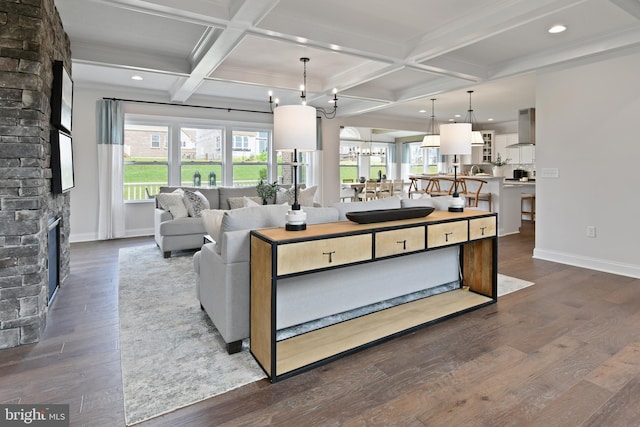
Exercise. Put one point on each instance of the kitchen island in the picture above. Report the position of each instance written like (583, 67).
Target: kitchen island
(505, 197)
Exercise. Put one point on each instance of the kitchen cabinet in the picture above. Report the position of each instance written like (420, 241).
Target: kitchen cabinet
(527, 154)
(501, 143)
(520, 155)
(484, 154)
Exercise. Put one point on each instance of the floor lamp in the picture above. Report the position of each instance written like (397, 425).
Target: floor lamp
(294, 129)
(455, 138)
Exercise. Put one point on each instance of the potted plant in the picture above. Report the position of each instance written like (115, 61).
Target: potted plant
(267, 191)
(498, 165)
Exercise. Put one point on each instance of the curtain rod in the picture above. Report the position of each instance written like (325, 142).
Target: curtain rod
(173, 104)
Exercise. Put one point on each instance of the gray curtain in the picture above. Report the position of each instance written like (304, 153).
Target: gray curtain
(110, 139)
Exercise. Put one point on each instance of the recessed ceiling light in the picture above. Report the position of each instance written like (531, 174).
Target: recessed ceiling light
(557, 29)
(422, 111)
(490, 119)
(136, 78)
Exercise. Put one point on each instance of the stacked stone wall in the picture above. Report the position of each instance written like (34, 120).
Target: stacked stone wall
(31, 38)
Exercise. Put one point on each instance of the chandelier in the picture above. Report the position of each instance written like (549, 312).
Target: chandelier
(328, 114)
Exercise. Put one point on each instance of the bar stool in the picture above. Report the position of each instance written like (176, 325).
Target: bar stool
(531, 198)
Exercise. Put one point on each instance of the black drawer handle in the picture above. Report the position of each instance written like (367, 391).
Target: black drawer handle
(446, 236)
(330, 255)
(404, 244)
(482, 229)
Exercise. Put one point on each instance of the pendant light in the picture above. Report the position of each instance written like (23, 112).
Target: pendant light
(433, 139)
(476, 136)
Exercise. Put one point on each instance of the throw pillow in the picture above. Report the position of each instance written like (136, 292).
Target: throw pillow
(252, 201)
(212, 219)
(195, 202)
(174, 203)
(236, 202)
(305, 196)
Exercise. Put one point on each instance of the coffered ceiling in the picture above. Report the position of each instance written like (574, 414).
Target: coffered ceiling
(384, 57)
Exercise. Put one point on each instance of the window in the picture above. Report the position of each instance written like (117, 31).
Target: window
(250, 156)
(219, 153)
(201, 154)
(364, 159)
(145, 167)
(155, 141)
(422, 160)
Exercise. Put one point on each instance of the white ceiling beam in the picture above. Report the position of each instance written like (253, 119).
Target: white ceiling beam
(246, 14)
(475, 27)
(582, 50)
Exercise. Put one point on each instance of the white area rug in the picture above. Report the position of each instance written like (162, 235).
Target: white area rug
(508, 284)
(171, 354)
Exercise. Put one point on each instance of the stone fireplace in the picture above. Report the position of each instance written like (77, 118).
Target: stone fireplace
(32, 38)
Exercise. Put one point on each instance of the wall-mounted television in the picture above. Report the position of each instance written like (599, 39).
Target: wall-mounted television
(61, 162)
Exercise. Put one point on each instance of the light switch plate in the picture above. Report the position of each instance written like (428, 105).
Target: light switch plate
(550, 173)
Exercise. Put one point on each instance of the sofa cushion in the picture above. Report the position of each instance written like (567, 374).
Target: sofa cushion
(182, 226)
(174, 203)
(441, 203)
(195, 202)
(212, 219)
(318, 215)
(227, 192)
(251, 218)
(212, 196)
(392, 202)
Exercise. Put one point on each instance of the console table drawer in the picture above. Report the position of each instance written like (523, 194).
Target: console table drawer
(480, 228)
(316, 254)
(404, 240)
(447, 233)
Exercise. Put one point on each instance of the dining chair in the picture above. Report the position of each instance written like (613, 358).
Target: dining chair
(397, 187)
(442, 186)
(473, 191)
(385, 189)
(369, 192)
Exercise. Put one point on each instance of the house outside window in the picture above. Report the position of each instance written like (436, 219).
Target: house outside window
(145, 165)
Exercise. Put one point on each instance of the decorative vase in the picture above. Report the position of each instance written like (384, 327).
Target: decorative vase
(498, 171)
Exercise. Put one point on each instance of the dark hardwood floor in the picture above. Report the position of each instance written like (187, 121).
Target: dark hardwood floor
(564, 352)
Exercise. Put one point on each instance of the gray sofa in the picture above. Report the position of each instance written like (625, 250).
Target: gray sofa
(223, 270)
(173, 234)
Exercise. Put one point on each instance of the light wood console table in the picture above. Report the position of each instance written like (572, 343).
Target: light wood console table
(278, 254)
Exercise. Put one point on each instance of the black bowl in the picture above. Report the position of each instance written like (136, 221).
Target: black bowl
(382, 215)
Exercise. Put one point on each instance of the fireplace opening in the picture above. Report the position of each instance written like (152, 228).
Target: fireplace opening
(53, 258)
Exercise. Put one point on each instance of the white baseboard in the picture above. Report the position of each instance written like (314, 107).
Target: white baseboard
(82, 237)
(91, 237)
(590, 263)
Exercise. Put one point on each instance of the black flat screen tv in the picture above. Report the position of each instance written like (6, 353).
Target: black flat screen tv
(61, 162)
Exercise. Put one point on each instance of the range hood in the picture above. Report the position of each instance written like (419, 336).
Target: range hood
(526, 127)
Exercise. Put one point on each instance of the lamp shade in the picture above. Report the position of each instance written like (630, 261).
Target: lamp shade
(294, 127)
(431, 141)
(476, 139)
(455, 138)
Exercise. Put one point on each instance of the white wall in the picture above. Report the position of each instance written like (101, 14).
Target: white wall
(587, 128)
